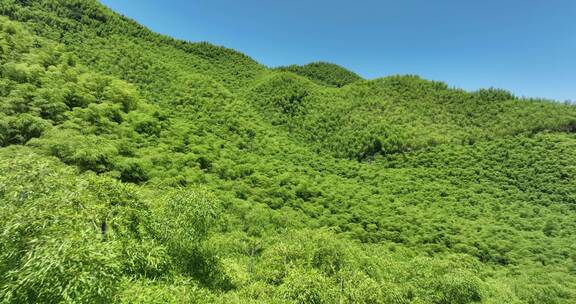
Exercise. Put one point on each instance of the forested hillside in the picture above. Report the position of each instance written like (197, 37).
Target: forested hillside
(324, 73)
(136, 168)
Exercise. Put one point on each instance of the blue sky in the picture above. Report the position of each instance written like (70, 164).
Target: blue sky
(525, 46)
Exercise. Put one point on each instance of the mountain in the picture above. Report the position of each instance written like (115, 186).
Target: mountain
(136, 168)
(324, 73)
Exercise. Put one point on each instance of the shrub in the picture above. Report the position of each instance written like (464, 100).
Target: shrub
(132, 171)
(458, 288)
(24, 127)
(307, 287)
(182, 224)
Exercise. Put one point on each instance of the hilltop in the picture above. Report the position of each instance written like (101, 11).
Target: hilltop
(324, 73)
(135, 167)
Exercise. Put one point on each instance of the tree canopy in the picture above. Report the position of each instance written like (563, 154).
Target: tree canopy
(136, 168)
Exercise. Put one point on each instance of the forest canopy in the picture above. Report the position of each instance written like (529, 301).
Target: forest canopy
(137, 168)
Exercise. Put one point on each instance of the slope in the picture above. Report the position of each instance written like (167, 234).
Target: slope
(324, 73)
(177, 172)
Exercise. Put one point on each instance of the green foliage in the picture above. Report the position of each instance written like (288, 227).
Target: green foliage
(493, 94)
(304, 287)
(187, 216)
(324, 73)
(284, 96)
(64, 236)
(177, 291)
(136, 168)
(21, 128)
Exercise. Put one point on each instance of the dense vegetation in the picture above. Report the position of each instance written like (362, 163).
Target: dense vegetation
(140, 169)
(324, 73)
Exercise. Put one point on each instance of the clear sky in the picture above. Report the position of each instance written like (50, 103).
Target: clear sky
(525, 46)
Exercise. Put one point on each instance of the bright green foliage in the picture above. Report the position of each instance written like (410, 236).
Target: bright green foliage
(304, 287)
(64, 238)
(398, 114)
(135, 168)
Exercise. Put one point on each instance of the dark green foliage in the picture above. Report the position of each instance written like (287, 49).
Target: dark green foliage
(283, 96)
(133, 171)
(136, 168)
(21, 128)
(324, 73)
(493, 94)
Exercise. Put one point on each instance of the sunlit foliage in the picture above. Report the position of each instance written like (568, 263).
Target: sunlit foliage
(135, 168)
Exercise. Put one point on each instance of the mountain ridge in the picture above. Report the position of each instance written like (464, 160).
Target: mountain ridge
(167, 171)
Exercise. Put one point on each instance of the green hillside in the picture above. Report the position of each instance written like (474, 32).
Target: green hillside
(136, 168)
(324, 73)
